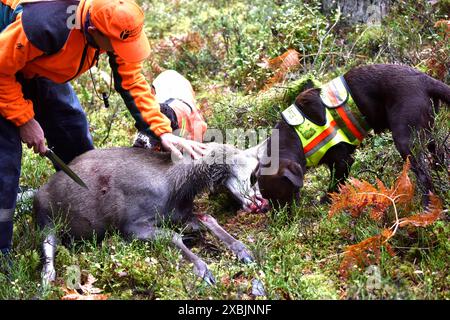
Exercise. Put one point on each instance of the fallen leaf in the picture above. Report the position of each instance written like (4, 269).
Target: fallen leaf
(85, 291)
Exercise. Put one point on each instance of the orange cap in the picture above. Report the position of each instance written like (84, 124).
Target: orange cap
(122, 21)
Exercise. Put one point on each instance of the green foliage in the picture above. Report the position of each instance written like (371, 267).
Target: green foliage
(438, 162)
(296, 252)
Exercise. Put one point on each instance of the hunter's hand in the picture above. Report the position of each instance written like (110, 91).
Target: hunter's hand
(173, 143)
(32, 134)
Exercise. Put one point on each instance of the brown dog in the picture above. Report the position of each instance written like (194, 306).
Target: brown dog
(394, 97)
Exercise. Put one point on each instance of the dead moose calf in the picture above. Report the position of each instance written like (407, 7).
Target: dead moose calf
(135, 191)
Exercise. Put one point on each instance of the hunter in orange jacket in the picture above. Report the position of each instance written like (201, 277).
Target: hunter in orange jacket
(40, 44)
(43, 45)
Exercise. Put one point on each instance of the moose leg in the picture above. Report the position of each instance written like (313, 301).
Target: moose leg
(234, 245)
(49, 249)
(151, 233)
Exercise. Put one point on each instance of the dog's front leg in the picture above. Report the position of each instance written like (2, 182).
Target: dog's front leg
(339, 172)
(237, 247)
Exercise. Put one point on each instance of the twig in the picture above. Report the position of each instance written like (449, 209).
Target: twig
(357, 40)
(418, 248)
(332, 53)
(326, 35)
(332, 256)
(370, 171)
(397, 220)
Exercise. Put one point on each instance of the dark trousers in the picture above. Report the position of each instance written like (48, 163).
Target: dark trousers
(66, 129)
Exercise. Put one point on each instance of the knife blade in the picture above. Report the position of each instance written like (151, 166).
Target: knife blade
(57, 162)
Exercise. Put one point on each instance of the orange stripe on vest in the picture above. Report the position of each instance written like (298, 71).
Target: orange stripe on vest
(320, 138)
(348, 122)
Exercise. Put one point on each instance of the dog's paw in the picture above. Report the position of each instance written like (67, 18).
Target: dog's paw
(326, 199)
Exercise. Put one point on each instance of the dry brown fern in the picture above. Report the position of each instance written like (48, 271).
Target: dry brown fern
(281, 65)
(356, 197)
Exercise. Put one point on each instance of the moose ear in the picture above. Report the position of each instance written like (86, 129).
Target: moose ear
(293, 171)
(258, 151)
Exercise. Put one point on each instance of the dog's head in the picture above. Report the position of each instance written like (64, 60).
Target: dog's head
(284, 186)
(311, 105)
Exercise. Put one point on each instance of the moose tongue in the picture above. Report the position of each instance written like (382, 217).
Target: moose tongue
(263, 207)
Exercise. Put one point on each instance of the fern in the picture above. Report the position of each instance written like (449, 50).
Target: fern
(281, 65)
(357, 197)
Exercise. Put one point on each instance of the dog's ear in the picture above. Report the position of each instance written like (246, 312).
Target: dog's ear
(307, 85)
(293, 171)
(312, 107)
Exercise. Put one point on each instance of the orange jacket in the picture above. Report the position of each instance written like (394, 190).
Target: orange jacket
(39, 43)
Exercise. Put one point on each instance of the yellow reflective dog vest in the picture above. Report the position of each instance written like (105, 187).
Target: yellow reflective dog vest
(345, 123)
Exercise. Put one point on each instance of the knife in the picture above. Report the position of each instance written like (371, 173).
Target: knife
(57, 162)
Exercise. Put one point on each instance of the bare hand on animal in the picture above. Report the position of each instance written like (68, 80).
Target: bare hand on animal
(174, 144)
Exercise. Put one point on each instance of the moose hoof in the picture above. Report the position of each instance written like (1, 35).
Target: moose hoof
(242, 252)
(48, 275)
(209, 278)
(203, 272)
(245, 256)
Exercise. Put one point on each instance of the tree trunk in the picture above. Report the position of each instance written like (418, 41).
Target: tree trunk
(359, 11)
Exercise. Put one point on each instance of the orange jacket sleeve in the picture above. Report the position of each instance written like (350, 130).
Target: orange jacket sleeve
(137, 95)
(15, 52)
